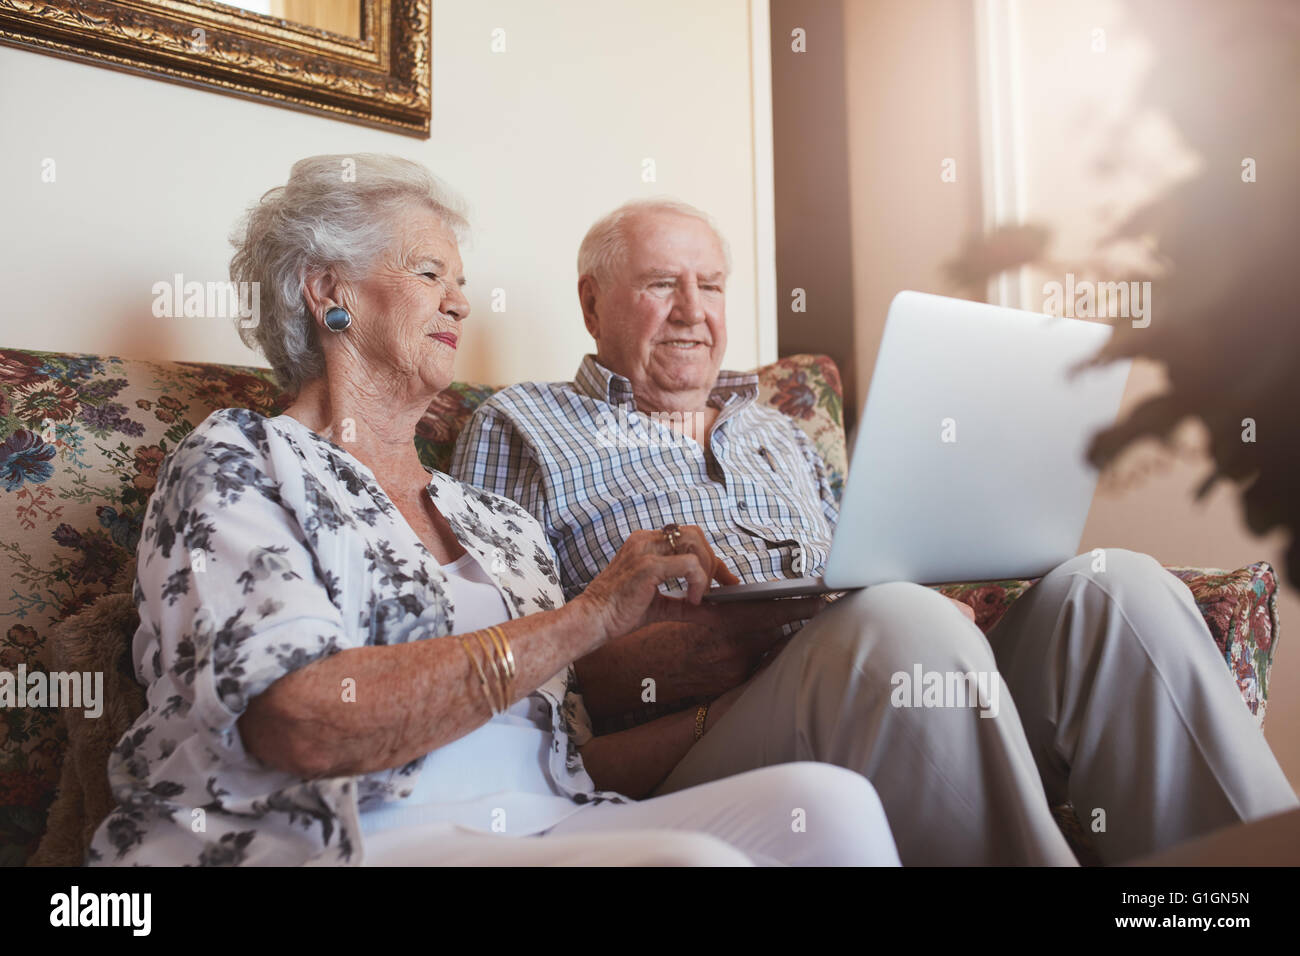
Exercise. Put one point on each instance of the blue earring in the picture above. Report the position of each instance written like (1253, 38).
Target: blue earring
(337, 319)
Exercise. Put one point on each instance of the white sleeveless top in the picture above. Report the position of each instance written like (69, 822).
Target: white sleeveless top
(494, 778)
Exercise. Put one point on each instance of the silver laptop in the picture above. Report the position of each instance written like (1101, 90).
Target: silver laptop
(969, 460)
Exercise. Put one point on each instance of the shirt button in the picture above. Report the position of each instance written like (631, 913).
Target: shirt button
(741, 505)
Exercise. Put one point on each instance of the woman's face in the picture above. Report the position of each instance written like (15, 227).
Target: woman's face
(407, 312)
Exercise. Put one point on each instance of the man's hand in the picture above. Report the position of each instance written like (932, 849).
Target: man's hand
(714, 652)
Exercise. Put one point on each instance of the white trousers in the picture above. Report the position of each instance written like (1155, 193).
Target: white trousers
(797, 814)
(1110, 693)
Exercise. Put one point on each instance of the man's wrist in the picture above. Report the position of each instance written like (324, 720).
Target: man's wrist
(701, 720)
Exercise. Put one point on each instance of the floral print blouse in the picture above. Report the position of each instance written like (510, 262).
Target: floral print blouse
(267, 547)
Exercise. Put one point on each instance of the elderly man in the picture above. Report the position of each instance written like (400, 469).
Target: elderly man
(1105, 686)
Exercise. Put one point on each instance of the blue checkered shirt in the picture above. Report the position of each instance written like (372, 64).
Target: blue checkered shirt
(592, 469)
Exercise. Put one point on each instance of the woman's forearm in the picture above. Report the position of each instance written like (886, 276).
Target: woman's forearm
(372, 708)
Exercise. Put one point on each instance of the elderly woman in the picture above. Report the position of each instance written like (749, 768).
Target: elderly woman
(352, 658)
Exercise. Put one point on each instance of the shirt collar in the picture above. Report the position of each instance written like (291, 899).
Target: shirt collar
(598, 382)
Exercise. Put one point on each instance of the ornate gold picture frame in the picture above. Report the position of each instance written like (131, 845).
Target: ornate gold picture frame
(381, 77)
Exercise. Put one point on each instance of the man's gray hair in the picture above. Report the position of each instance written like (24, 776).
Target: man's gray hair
(335, 212)
(605, 245)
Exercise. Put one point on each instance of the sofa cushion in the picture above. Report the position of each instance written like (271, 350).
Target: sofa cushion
(95, 639)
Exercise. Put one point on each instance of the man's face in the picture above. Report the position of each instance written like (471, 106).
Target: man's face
(660, 320)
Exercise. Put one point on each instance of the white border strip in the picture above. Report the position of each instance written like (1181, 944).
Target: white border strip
(760, 83)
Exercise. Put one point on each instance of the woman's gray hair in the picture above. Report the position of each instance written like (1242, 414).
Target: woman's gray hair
(335, 212)
(605, 245)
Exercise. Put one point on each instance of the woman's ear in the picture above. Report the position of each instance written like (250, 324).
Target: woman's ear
(587, 293)
(321, 289)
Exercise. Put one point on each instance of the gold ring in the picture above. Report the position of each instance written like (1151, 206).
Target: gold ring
(671, 533)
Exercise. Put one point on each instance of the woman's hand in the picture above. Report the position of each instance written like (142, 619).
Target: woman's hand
(625, 595)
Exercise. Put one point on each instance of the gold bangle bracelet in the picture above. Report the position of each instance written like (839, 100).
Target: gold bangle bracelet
(700, 714)
(482, 678)
(494, 672)
(506, 678)
(489, 652)
(510, 654)
(502, 646)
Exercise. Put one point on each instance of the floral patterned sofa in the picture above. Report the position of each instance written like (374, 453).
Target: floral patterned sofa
(81, 439)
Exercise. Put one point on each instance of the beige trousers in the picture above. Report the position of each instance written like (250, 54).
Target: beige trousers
(1103, 687)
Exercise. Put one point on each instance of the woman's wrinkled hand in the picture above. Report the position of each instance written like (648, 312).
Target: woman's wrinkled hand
(626, 596)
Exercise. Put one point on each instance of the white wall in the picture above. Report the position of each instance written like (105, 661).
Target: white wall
(540, 139)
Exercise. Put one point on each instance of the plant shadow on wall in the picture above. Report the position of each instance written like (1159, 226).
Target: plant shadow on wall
(1228, 241)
